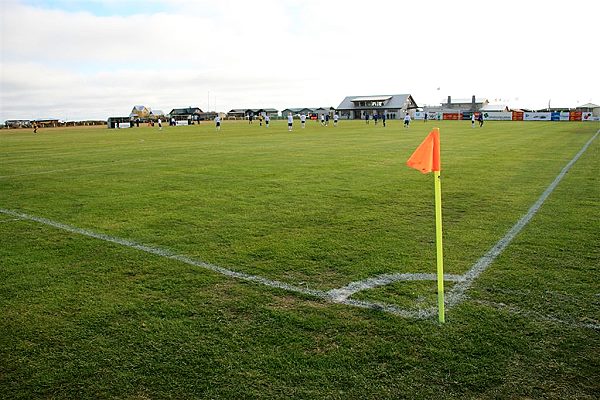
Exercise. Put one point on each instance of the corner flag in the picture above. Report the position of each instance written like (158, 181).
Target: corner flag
(426, 158)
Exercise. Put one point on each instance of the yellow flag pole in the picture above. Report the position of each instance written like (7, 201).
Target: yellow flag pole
(438, 245)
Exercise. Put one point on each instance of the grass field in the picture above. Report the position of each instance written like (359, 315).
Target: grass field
(315, 209)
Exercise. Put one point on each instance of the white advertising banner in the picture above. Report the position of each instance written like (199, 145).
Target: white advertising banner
(183, 122)
(124, 125)
(537, 116)
(431, 115)
(587, 116)
(497, 116)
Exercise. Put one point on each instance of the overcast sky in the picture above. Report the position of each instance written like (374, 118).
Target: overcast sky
(76, 59)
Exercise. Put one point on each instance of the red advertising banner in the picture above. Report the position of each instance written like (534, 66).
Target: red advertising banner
(517, 116)
(451, 116)
(575, 116)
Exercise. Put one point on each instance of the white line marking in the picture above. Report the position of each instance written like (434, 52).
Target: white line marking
(342, 295)
(166, 253)
(456, 294)
(345, 292)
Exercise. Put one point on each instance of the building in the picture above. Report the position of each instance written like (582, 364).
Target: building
(140, 112)
(243, 113)
(495, 108)
(188, 113)
(394, 106)
(594, 109)
(296, 111)
(17, 123)
(472, 104)
(48, 122)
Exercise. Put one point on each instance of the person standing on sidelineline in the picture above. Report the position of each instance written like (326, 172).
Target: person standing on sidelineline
(290, 122)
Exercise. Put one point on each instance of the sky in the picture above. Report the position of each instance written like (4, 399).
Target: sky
(77, 60)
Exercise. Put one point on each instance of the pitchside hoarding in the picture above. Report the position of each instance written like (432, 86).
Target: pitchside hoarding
(537, 116)
(498, 116)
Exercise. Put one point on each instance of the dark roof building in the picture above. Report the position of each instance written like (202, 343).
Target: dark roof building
(245, 112)
(187, 112)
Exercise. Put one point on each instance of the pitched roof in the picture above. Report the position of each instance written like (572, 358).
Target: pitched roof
(464, 101)
(185, 111)
(395, 101)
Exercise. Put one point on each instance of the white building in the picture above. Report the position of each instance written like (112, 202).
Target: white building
(394, 106)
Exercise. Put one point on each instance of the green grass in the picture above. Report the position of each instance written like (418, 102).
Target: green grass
(322, 207)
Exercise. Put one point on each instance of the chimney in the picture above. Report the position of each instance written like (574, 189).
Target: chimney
(473, 108)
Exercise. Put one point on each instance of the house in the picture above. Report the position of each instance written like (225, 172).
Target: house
(236, 113)
(189, 113)
(394, 106)
(17, 123)
(296, 111)
(254, 112)
(140, 112)
(48, 122)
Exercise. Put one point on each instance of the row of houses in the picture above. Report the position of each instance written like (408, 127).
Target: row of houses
(394, 106)
(47, 123)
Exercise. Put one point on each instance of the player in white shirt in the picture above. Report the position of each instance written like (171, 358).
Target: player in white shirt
(267, 120)
(406, 120)
(290, 121)
(218, 123)
(335, 119)
(303, 120)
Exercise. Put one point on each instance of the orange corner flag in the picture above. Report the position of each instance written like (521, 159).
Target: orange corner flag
(426, 157)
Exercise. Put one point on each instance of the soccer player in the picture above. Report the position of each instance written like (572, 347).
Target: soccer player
(267, 120)
(303, 120)
(480, 119)
(218, 123)
(290, 122)
(159, 124)
(406, 120)
(473, 120)
(336, 117)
